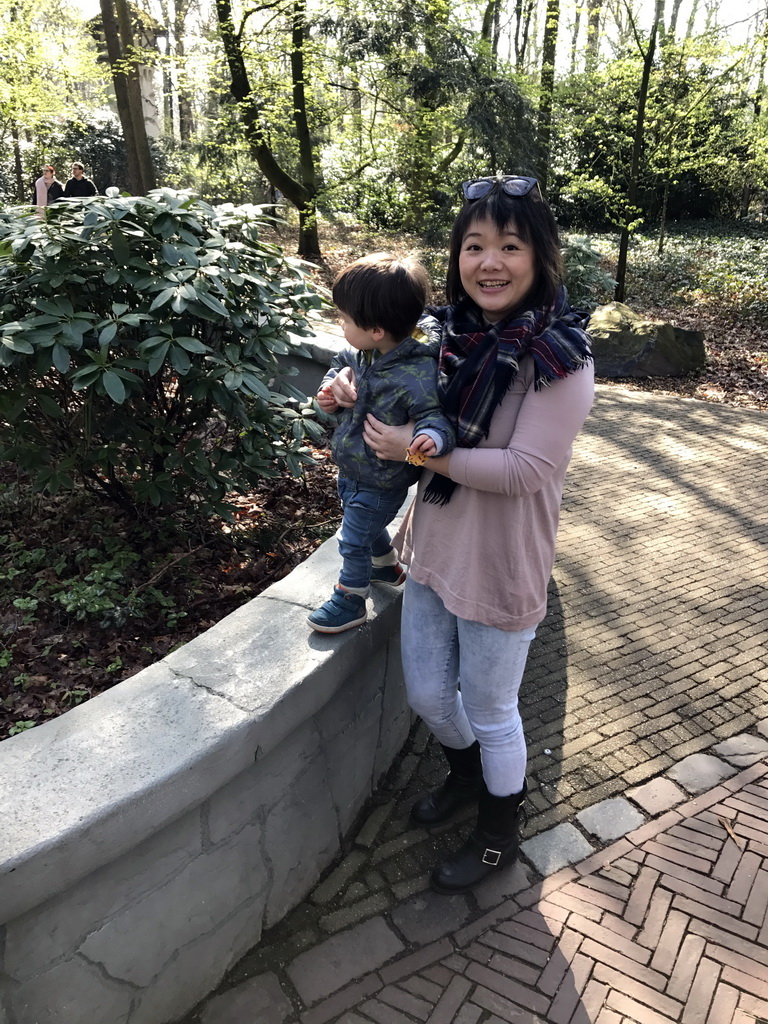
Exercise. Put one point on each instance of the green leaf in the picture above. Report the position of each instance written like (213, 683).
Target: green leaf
(84, 377)
(212, 303)
(17, 344)
(170, 254)
(114, 387)
(118, 308)
(60, 358)
(162, 297)
(120, 246)
(49, 407)
(180, 360)
(191, 345)
(108, 334)
(158, 358)
(60, 307)
(255, 385)
(147, 347)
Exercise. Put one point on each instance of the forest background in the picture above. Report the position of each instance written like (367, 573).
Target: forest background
(644, 120)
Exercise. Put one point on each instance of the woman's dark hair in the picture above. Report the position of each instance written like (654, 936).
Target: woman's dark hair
(534, 222)
(383, 291)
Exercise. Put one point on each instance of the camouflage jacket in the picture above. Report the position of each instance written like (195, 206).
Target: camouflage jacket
(396, 387)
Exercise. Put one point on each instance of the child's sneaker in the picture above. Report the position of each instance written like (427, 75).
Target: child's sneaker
(393, 575)
(387, 569)
(344, 610)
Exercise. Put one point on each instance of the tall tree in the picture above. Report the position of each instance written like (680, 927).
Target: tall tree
(118, 35)
(594, 13)
(302, 192)
(549, 48)
(637, 148)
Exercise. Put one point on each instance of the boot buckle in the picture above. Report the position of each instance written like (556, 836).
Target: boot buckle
(492, 857)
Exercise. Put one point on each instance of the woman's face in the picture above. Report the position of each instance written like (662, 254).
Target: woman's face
(48, 176)
(497, 268)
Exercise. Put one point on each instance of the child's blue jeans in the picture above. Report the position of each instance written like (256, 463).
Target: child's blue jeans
(363, 533)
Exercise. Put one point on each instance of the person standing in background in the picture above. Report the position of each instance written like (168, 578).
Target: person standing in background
(79, 186)
(48, 189)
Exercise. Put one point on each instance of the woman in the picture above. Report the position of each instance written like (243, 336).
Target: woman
(515, 374)
(48, 189)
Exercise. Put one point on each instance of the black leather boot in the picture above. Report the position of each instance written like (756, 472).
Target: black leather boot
(492, 845)
(462, 785)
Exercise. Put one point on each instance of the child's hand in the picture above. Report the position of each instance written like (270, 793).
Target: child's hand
(325, 400)
(424, 444)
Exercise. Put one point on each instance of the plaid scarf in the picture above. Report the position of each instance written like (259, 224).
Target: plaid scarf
(479, 363)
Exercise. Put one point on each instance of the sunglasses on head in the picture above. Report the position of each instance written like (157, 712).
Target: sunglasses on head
(512, 184)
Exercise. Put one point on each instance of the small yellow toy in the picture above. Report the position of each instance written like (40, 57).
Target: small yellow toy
(415, 458)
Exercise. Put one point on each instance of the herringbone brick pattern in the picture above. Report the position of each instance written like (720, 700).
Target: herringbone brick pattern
(668, 925)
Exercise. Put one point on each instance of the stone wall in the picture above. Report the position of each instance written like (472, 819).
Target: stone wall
(149, 836)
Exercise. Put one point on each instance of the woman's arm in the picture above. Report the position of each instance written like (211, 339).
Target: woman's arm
(546, 426)
(343, 387)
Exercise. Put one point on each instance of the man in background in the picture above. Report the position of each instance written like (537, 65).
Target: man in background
(78, 185)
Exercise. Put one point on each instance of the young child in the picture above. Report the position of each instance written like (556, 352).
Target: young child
(379, 298)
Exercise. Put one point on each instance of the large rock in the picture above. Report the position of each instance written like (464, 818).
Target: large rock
(625, 345)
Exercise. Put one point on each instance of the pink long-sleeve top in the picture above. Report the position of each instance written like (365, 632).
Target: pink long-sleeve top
(489, 552)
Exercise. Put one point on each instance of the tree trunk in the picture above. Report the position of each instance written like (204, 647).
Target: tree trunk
(186, 117)
(637, 148)
(240, 88)
(135, 102)
(746, 199)
(18, 170)
(575, 39)
(691, 19)
(594, 13)
(114, 52)
(309, 245)
(490, 29)
(523, 14)
(549, 47)
(672, 30)
(663, 225)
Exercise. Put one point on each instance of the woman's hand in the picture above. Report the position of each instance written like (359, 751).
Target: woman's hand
(387, 442)
(343, 388)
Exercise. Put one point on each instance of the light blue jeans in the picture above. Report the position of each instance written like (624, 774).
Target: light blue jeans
(440, 652)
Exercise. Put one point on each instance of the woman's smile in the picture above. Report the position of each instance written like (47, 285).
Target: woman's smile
(497, 268)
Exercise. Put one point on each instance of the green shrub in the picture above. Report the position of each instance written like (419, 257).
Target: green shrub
(587, 282)
(138, 349)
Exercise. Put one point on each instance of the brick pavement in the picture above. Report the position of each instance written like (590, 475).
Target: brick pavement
(654, 649)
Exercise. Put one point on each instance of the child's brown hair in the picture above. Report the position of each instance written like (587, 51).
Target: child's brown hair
(383, 291)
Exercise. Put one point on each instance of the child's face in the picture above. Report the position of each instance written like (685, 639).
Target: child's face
(364, 339)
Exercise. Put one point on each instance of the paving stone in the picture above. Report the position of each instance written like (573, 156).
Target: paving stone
(430, 916)
(762, 727)
(370, 830)
(657, 796)
(742, 751)
(610, 819)
(339, 919)
(256, 1001)
(560, 846)
(700, 772)
(320, 971)
(502, 884)
(338, 878)
(355, 892)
